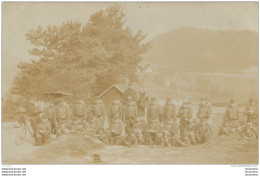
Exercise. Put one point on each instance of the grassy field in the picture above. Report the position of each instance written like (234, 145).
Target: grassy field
(79, 149)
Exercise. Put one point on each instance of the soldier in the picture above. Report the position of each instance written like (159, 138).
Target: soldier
(245, 129)
(204, 116)
(43, 132)
(104, 136)
(116, 125)
(49, 110)
(148, 140)
(251, 111)
(130, 92)
(185, 113)
(24, 123)
(33, 113)
(79, 110)
(130, 113)
(54, 120)
(62, 117)
(153, 115)
(131, 138)
(169, 111)
(166, 138)
(140, 137)
(159, 139)
(169, 116)
(98, 114)
(231, 116)
(175, 135)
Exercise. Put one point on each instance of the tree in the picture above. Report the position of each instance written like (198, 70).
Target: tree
(82, 59)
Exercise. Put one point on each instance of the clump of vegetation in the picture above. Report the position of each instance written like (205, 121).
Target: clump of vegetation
(83, 59)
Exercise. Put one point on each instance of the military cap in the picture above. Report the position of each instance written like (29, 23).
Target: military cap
(169, 99)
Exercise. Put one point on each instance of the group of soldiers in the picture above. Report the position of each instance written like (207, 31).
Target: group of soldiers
(162, 126)
(234, 125)
(121, 123)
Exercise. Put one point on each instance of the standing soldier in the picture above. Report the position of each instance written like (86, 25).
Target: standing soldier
(153, 115)
(130, 92)
(130, 113)
(49, 111)
(231, 116)
(43, 132)
(33, 113)
(251, 111)
(62, 117)
(79, 110)
(169, 115)
(115, 118)
(204, 116)
(99, 114)
(185, 114)
(54, 120)
(78, 116)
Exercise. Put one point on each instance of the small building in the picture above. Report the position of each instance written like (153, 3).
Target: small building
(113, 91)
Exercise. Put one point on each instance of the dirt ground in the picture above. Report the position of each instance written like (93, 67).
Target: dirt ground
(79, 149)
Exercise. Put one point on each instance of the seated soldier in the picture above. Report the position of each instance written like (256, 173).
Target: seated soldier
(147, 138)
(131, 138)
(224, 130)
(43, 132)
(140, 137)
(185, 139)
(159, 139)
(104, 136)
(166, 138)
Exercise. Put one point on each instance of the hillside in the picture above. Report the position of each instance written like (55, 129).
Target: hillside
(193, 49)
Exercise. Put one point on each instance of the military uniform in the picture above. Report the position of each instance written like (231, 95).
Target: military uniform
(232, 114)
(131, 138)
(251, 111)
(169, 116)
(130, 114)
(204, 126)
(230, 121)
(140, 137)
(98, 115)
(153, 115)
(159, 139)
(43, 132)
(185, 113)
(129, 92)
(79, 110)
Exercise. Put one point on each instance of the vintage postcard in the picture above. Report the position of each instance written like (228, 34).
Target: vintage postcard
(130, 83)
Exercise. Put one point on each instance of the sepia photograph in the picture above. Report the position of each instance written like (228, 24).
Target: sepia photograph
(138, 83)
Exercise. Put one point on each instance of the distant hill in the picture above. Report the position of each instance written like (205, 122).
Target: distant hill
(193, 49)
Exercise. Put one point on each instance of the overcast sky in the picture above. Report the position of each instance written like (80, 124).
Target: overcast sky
(151, 18)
